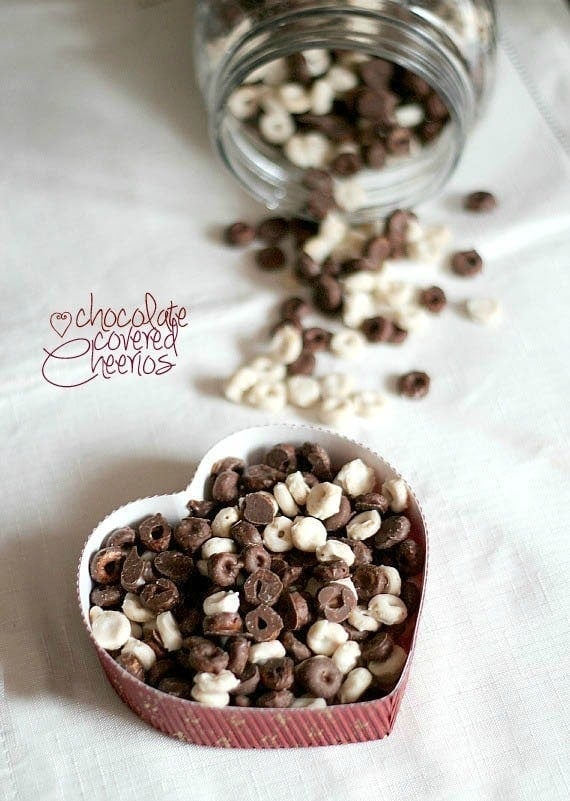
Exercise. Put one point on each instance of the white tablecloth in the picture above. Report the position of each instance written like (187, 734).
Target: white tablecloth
(108, 186)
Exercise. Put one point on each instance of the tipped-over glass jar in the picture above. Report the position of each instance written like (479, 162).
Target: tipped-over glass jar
(375, 98)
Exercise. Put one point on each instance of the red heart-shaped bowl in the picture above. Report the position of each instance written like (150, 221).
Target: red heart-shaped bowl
(233, 727)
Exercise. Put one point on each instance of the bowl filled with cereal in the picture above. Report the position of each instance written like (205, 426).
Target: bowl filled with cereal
(272, 603)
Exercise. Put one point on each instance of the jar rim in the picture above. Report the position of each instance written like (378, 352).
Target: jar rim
(421, 48)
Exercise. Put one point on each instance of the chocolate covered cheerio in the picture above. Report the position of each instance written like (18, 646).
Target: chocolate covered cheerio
(294, 584)
(355, 295)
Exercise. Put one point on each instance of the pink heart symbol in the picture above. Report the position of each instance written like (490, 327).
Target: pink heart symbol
(60, 322)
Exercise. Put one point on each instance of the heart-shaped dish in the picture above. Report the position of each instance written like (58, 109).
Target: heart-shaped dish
(252, 727)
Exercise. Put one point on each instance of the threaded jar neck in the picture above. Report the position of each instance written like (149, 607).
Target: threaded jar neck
(395, 33)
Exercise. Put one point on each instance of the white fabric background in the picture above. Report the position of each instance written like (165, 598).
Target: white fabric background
(107, 184)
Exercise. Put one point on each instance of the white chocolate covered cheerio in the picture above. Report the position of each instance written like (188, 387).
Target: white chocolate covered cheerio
(333, 550)
(318, 248)
(336, 411)
(350, 194)
(341, 78)
(276, 127)
(149, 627)
(286, 344)
(298, 487)
(224, 681)
(217, 545)
(347, 344)
(346, 656)
(270, 102)
(427, 245)
(364, 525)
(277, 536)
(294, 98)
(224, 520)
(243, 103)
(368, 403)
(397, 294)
(271, 396)
(388, 609)
(409, 115)
(222, 601)
(337, 385)
(307, 150)
(414, 231)
(317, 61)
(275, 72)
(308, 702)
(357, 307)
(285, 500)
(303, 391)
(333, 228)
(355, 685)
(351, 58)
(111, 630)
(351, 245)
(239, 383)
(262, 652)
(393, 579)
(324, 637)
(267, 369)
(395, 491)
(362, 620)
(356, 478)
(143, 652)
(485, 311)
(361, 281)
(324, 500)
(169, 632)
(321, 96)
(215, 699)
(135, 610)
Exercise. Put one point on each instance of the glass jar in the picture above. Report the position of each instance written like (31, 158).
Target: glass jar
(450, 44)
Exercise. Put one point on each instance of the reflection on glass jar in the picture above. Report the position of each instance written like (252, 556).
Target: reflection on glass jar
(375, 98)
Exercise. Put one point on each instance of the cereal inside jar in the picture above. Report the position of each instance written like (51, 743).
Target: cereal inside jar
(351, 105)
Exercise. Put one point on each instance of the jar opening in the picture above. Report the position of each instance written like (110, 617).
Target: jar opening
(418, 48)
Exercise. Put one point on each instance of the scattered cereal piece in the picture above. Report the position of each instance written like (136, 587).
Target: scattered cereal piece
(336, 411)
(347, 344)
(480, 201)
(466, 263)
(485, 311)
(303, 391)
(415, 384)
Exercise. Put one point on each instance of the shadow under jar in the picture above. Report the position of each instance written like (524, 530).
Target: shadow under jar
(442, 47)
